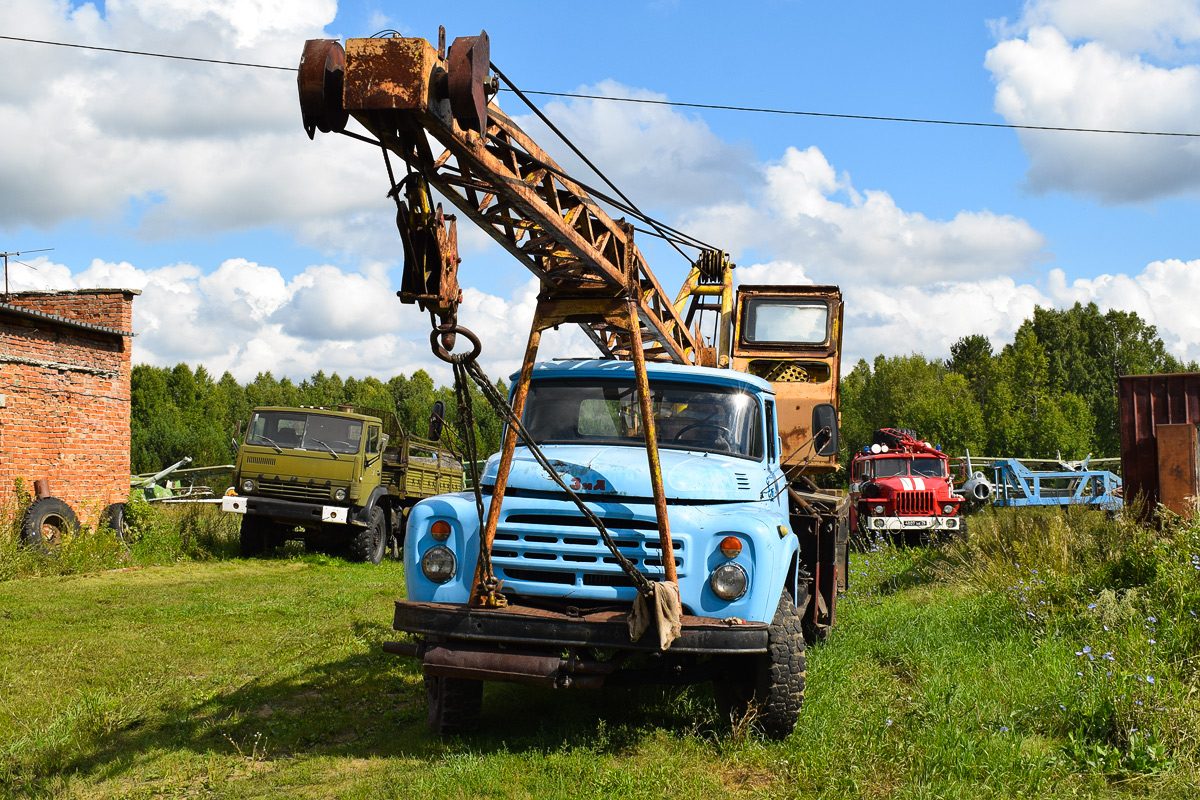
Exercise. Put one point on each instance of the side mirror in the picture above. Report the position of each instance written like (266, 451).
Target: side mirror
(437, 421)
(825, 429)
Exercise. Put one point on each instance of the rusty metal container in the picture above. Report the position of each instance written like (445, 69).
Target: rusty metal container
(1150, 402)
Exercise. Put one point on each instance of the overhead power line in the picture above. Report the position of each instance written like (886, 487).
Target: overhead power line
(152, 55)
(672, 103)
(872, 117)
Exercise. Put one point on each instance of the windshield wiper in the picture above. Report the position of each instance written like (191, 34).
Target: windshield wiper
(327, 447)
(278, 449)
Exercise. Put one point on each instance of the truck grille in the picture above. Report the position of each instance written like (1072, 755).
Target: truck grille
(294, 491)
(564, 550)
(914, 503)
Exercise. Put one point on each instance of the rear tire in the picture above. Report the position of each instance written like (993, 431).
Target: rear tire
(454, 705)
(368, 544)
(46, 521)
(769, 687)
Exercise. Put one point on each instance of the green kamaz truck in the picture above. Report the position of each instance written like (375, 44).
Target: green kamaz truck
(342, 480)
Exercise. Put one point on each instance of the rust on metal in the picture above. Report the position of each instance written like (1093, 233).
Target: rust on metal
(392, 73)
(496, 175)
(1178, 468)
(319, 80)
(485, 591)
(1147, 402)
(468, 64)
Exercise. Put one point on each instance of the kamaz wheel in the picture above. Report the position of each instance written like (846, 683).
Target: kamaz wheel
(368, 544)
(454, 705)
(46, 521)
(253, 539)
(770, 687)
(114, 517)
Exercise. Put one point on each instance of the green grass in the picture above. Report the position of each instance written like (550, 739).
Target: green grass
(953, 674)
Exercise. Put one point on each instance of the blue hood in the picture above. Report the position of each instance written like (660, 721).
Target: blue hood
(624, 472)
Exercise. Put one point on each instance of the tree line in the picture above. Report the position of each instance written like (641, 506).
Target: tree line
(1053, 389)
(178, 411)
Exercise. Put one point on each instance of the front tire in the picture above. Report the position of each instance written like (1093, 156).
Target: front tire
(253, 537)
(368, 544)
(454, 705)
(769, 687)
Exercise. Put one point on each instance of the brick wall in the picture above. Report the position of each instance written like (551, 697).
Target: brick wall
(65, 414)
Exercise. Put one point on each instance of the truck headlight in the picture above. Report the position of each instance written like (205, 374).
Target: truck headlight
(728, 581)
(247, 486)
(339, 494)
(948, 509)
(878, 509)
(438, 564)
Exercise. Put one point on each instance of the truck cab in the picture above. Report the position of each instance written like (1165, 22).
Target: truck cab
(340, 479)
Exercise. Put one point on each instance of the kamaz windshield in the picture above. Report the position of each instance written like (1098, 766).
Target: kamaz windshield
(301, 430)
(687, 416)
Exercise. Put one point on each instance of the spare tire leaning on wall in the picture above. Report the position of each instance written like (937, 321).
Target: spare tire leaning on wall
(46, 521)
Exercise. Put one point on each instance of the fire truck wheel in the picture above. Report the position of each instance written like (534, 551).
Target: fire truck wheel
(368, 544)
(46, 521)
(454, 705)
(768, 690)
(114, 517)
(253, 537)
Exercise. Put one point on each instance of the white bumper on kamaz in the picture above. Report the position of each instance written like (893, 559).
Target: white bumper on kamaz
(237, 504)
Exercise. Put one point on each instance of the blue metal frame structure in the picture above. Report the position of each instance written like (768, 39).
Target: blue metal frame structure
(1017, 485)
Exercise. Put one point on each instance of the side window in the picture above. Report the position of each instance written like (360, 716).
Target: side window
(770, 431)
(373, 440)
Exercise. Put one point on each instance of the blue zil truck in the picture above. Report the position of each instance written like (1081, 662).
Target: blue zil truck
(661, 521)
(747, 552)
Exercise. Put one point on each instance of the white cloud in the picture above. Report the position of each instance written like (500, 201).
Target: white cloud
(185, 147)
(1157, 27)
(247, 318)
(1163, 294)
(1103, 82)
(807, 209)
(661, 158)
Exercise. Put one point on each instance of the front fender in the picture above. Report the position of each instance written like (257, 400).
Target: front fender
(459, 511)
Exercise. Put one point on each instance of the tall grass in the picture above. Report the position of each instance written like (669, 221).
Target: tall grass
(159, 534)
(1125, 600)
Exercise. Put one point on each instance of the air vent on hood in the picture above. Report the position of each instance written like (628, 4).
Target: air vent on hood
(743, 480)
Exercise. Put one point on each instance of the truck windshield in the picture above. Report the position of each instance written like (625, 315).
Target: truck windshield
(786, 321)
(687, 416)
(921, 467)
(299, 430)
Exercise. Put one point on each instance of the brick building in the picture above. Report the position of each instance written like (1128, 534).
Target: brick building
(64, 394)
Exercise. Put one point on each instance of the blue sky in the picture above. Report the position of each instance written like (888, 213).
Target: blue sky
(256, 249)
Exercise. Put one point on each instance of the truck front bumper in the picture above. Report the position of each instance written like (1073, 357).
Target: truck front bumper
(286, 510)
(896, 524)
(604, 628)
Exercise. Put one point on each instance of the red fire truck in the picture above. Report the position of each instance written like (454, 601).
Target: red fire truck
(900, 487)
